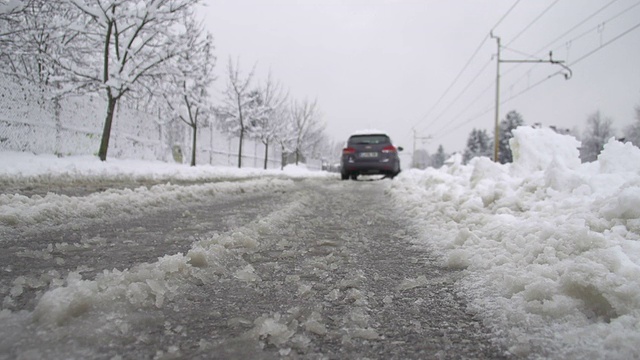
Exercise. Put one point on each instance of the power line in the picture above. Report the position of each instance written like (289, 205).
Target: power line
(605, 44)
(505, 15)
(520, 52)
(578, 37)
(585, 56)
(464, 90)
(482, 93)
(479, 115)
(533, 22)
(455, 80)
(583, 34)
(446, 130)
(543, 48)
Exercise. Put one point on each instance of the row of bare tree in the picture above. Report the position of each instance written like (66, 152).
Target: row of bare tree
(265, 113)
(153, 55)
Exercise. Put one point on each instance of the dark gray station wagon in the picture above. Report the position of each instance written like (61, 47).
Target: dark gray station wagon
(369, 154)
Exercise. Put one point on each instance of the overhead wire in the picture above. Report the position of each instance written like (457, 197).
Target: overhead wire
(585, 56)
(578, 37)
(505, 15)
(455, 80)
(532, 22)
(583, 34)
(582, 23)
(464, 68)
(445, 127)
(445, 130)
(464, 90)
(605, 44)
(531, 87)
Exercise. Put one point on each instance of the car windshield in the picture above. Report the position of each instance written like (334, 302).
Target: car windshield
(369, 139)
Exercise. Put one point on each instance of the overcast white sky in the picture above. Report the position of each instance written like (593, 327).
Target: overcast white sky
(385, 64)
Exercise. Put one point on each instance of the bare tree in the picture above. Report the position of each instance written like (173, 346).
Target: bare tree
(597, 133)
(187, 93)
(285, 134)
(238, 98)
(268, 121)
(306, 126)
(137, 41)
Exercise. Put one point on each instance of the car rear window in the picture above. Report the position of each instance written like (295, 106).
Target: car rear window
(369, 139)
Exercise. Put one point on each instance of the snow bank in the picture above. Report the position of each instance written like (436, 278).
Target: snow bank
(108, 305)
(20, 167)
(25, 169)
(551, 247)
(54, 209)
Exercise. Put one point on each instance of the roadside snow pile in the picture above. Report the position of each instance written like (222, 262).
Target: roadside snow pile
(54, 209)
(92, 305)
(551, 247)
(18, 167)
(301, 170)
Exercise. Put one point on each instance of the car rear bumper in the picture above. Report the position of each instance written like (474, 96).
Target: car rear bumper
(370, 168)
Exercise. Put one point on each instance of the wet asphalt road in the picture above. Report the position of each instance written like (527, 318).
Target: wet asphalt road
(322, 269)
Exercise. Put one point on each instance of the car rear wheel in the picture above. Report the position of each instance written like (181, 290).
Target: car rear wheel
(354, 177)
(344, 176)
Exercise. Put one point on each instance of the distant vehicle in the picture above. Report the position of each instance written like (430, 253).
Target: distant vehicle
(369, 153)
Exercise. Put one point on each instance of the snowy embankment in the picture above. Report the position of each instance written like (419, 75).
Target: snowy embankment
(550, 246)
(103, 305)
(53, 209)
(26, 168)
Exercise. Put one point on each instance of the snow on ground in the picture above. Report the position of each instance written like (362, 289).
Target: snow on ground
(19, 167)
(550, 246)
(53, 209)
(109, 305)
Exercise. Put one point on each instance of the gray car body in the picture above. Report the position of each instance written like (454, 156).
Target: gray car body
(369, 154)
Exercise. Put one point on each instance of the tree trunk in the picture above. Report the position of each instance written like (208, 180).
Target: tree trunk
(266, 154)
(297, 156)
(111, 100)
(240, 149)
(106, 132)
(282, 157)
(193, 145)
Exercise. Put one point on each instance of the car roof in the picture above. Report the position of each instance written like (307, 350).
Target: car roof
(368, 132)
(363, 135)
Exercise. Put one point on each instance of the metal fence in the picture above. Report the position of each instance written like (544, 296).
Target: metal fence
(32, 121)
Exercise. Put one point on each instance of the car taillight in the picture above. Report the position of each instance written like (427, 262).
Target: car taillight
(389, 149)
(348, 151)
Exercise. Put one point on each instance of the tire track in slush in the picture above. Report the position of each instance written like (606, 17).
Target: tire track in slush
(339, 278)
(329, 272)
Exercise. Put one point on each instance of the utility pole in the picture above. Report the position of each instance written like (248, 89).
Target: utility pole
(416, 138)
(496, 129)
(496, 132)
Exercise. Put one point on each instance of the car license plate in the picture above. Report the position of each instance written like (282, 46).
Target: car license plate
(369, 154)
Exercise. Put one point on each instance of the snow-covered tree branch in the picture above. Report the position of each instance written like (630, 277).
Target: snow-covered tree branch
(138, 40)
(270, 118)
(233, 114)
(306, 125)
(187, 94)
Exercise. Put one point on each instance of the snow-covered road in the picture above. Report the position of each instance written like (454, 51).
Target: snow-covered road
(539, 258)
(268, 268)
